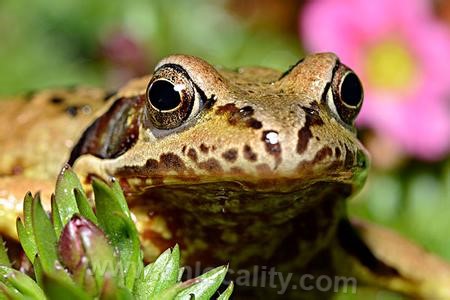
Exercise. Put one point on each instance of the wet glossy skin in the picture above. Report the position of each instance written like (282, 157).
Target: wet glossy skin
(256, 162)
(262, 149)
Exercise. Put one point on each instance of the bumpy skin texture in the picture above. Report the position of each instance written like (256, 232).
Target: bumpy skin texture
(257, 172)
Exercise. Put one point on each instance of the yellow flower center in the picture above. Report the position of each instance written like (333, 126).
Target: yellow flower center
(390, 66)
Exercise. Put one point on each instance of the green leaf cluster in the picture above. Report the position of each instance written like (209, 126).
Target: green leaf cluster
(81, 254)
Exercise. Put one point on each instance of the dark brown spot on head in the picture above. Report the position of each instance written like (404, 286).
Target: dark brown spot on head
(349, 158)
(72, 110)
(334, 166)
(227, 108)
(184, 149)
(192, 154)
(312, 118)
(56, 100)
(304, 135)
(322, 154)
(312, 115)
(247, 111)
(337, 151)
(253, 123)
(151, 165)
(204, 148)
(242, 116)
(171, 161)
(249, 154)
(306, 166)
(211, 165)
(230, 155)
(149, 169)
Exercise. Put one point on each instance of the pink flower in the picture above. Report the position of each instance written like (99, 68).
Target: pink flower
(402, 54)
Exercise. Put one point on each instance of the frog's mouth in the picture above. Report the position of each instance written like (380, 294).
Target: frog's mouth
(277, 197)
(231, 201)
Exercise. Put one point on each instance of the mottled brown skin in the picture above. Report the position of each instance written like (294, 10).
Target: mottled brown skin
(257, 173)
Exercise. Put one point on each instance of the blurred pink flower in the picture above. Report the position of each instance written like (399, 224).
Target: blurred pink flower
(401, 52)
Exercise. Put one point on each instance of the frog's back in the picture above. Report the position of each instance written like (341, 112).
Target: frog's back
(37, 132)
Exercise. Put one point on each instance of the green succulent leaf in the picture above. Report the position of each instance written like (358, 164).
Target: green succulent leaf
(26, 286)
(111, 291)
(56, 288)
(26, 241)
(160, 275)
(172, 292)
(64, 194)
(56, 218)
(180, 273)
(44, 235)
(134, 254)
(207, 286)
(38, 272)
(7, 292)
(120, 197)
(5, 285)
(25, 228)
(227, 293)
(84, 206)
(115, 220)
(4, 260)
(27, 213)
(100, 252)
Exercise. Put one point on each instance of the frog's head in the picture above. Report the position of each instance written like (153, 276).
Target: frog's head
(213, 139)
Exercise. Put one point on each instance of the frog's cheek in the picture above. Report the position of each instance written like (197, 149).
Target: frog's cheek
(113, 133)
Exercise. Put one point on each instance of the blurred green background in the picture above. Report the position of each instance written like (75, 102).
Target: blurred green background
(104, 43)
(47, 43)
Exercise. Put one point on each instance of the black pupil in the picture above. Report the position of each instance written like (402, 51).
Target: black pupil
(351, 90)
(163, 96)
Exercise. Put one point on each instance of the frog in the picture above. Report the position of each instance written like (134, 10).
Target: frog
(250, 167)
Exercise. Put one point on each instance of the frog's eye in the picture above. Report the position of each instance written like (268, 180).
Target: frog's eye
(346, 94)
(164, 95)
(171, 97)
